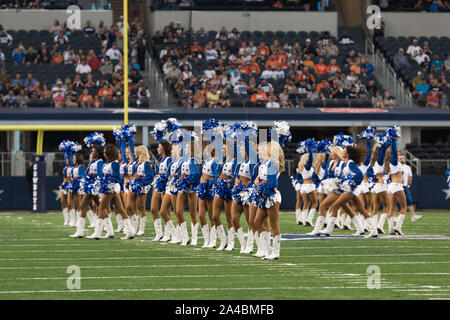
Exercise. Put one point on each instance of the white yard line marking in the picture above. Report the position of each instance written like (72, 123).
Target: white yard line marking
(158, 276)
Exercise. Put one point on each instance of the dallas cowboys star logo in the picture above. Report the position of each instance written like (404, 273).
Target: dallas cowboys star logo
(58, 194)
(447, 193)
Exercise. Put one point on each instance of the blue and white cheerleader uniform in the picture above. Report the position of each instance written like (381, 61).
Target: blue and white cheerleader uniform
(131, 170)
(91, 182)
(205, 190)
(365, 187)
(224, 186)
(175, 171)
(77, 173)
(122, 169)
(64, 186)
(330, 182)
(352, 178)
(268, 183)
(378, 168)
(111, 178)
(143, 183)
(162, 170)
(308, 173)
(241, 192)
(394, 167)
(191, 179)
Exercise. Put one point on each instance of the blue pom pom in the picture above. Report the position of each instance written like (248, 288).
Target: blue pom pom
(348, 183)
(368, 134)
(222, 189)
(204, 191)
(95, 139)
(160, 183)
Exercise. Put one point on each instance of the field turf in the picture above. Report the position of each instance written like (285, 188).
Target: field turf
(35, 252)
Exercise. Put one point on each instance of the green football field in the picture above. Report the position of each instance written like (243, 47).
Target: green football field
(35, 254)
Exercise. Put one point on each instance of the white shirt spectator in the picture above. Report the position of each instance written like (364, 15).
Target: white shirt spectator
(162, 53)
(278, 74)
(267, 74)
(232, 58)
(413, 50)
(55, 90)
(266, 87)
(68, 57)
(186, 75)
(252, 50)
(406, 174)
(240, 89)
(61, 39)
(210, 73)
(211, 54)
(2, 57)
(234, 80)
(113, 54)
(5, 38)
(421, 58)
(83, 68)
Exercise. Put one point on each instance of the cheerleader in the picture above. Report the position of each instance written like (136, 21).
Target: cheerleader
(124, 162)
(308, 189)
(395, 188)
(90, 187)
(170, 198)
(131, 201)
(222, 199)
(110, 189)
(379, 190)
(297, 180)
(351, 178)
(63, 192)
(188, 181)
(74, 195)
(269, 198)
(329, 187)
(141, 186)
(241, 192)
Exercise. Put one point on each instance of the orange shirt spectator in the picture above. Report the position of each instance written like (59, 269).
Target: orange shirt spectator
(243, 69)
(333, 68)
(253, 69)
(320, 85)
(97, 103)
(272, 63)
(320, 68)
(308, 63)
(356, 68)
(263, 49)
(307, 77)
(85, 98)
(258, 97)
(57, 58)
(281, 57)
(105, 92)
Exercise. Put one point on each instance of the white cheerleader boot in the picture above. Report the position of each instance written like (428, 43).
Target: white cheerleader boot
(175, 235)
(341, 221)
(212, 238)
(134, 222)
(222, 237)
(327, 217)
(373, 229)
(330, 226)
(309, 219)
(398, 226)
(265, 242)
(91, 218)
(129, 230)
(259, 252)
(230, 246)
(109, 229)
(158, 230)
(72, 218)
(366, 224)
(240, 236)
(194, 233)
(298, 213)
(66, 216)
(78, 215)
(98, 230)
(119, 221)
(205, 232)
(347, 223)
(358, 226)
(319, 225)
(391, 222)
(303, 216)
(167, 231)
(184, 234)
(250, 240)
(381, 221)
(142, 226)
(80, 229)
(275, 248)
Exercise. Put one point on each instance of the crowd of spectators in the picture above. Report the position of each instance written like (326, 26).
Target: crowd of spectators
(36, 4)
(97, 77)
(276, 75)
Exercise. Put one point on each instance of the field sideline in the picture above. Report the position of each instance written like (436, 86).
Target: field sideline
(35, 252)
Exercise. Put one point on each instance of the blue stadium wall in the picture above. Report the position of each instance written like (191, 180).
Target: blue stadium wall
(427, 191)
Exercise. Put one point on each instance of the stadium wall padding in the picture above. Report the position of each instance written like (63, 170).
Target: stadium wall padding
(427, 192)
(416, 24)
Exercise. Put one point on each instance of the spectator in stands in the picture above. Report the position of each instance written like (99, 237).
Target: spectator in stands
(444, 101)
(400, 59)
(113, 53)
(447, 63)
(45, 93)
(320, 68)
(222, 34)
(105, 92)
(83, 67)
(89, 29)
(367, 68)
(19, 56)
(433, 99)
(22, 99)
(29, 81)
(377, 100)
(56, 28)
(10, 100)
(2, 56)
(4, 77)
(422, 88)
(414, 49)
(320, 49)
(426, 65)
(309, 48)
(325, 90)
(426, 48)
(5, 38)
(331, 49)
(388, 100)
(240, 88)
(345, 39)
(420, 57)
(57, 57)
(437, 64)
(61, 38)
(435, 5)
